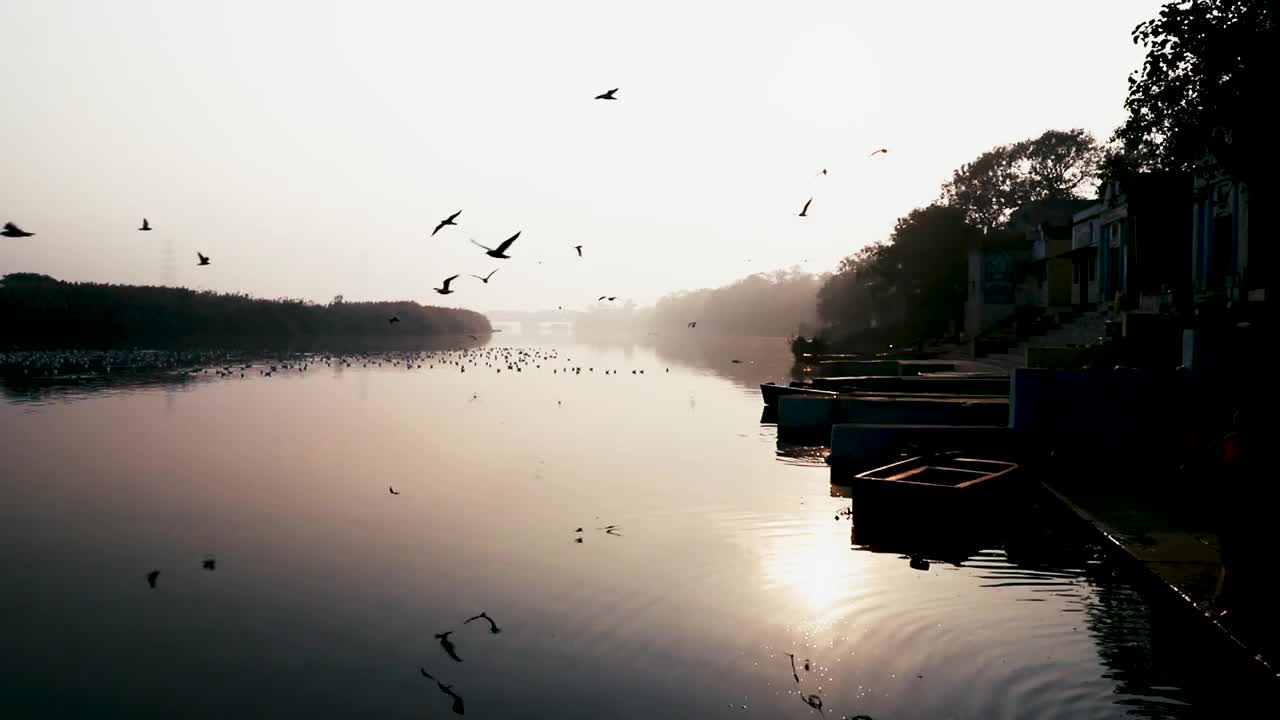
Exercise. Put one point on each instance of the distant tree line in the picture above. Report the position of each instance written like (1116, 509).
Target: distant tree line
(776, 304)
(37, 311)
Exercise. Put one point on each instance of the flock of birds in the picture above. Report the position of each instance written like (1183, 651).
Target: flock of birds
(12, 230)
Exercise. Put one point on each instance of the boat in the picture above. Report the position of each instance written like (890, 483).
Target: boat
(772, 392)
(935, 481)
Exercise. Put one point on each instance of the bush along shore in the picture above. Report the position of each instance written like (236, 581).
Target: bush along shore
(40, 312)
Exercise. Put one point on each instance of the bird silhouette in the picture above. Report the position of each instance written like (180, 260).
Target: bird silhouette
(804, 212)
(457, 699)
(448, 645)
(444, 286)
(877, 152)
(500, 251)
(485, 279)
(579, 249)
(693, 324)
(13, 231)
(392, 490)
(204, 259)
(611, 298)
(446, 689)
(393, 319)
(146, 226)
(209, 563)
(607, 95)
(493, 626)
(151, 578)
(823, 171)
(447, 221)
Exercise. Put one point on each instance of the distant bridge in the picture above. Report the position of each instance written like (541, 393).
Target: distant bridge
(557, 322)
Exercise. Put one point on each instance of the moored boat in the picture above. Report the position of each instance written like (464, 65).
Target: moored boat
(935, 480)
(772, 392)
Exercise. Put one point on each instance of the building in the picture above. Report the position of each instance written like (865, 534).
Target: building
(1220, 252)
(1130, 245)
(1026, 264)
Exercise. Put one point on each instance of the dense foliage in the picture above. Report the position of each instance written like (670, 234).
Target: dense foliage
(906, 290)
(1201, 99)
(39, 311)
(1057, 164)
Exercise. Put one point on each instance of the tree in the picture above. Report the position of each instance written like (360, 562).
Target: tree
(1199, 101)
(909, 289)
(1057, 164)
(927, 263)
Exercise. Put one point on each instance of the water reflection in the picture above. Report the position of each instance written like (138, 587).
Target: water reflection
(329, 591)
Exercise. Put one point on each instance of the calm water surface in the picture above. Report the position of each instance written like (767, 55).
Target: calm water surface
(328, 590)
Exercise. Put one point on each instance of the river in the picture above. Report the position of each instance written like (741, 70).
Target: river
(706, 555)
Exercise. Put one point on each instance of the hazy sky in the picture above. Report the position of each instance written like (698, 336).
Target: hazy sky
(310, 147)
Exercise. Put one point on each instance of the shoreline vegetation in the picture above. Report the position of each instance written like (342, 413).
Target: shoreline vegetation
(38, 312)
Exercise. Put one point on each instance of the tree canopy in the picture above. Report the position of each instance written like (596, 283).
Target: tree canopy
(1200, 100)
(907, 289)
(1057, 164)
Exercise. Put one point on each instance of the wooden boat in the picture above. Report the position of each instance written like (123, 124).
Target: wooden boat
(934, 480)
(771, 392)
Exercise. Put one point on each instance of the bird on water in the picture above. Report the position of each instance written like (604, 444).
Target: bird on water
(13, 231)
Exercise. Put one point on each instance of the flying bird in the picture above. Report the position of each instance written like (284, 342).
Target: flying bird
(392, 490)
(457, 699)
(804, 212)
(447, 221)
(151, 578)
(485, 279)
(13, 231)
(877, 152)
(500, 251)
(608, 95)
(823, 171)
(693, 324)
(209, 563)
(204, 259)
(393, 319)
(444, 286)
(145, 225)
(448, 645)
(579, 249)
(493, 626)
